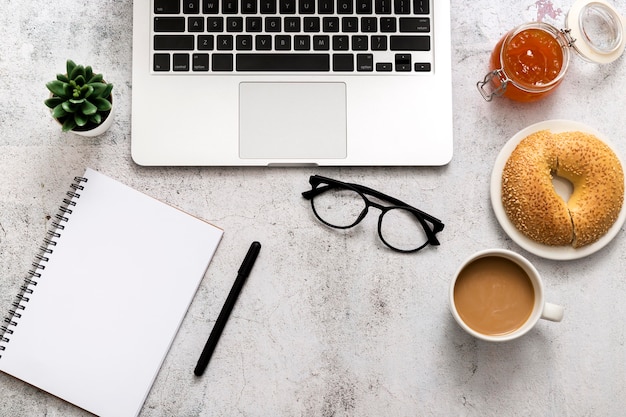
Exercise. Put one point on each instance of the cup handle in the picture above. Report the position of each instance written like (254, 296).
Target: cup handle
(552, 312)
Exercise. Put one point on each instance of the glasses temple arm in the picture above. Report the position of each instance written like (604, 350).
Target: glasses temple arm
(438, 225)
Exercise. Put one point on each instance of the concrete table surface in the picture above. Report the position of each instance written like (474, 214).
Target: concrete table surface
(329, 323)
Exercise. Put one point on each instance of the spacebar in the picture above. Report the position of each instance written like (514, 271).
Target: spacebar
(283, 62)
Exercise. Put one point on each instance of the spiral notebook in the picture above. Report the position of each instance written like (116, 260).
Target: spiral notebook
(97, 314)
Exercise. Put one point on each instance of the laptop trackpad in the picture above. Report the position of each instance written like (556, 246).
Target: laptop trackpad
(292, 120)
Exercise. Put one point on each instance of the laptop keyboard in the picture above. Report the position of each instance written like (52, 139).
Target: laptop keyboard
(292, 36)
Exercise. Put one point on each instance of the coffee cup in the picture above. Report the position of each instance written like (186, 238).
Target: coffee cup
(497, 295)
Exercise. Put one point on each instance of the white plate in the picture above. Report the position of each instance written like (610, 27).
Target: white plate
(546, 251)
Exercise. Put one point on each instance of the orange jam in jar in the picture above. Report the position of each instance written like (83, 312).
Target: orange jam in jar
(528, 63)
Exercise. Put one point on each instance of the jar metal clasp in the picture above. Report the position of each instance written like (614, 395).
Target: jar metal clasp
(487, 87)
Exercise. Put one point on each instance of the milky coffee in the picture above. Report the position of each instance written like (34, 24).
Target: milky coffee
(494, 295)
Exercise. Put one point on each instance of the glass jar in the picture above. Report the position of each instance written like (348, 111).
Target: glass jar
(530, 61)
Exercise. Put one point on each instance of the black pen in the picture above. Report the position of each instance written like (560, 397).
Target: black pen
(242, 274)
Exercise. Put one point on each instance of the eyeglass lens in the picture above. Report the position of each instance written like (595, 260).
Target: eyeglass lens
(399, 228)
(339, 207)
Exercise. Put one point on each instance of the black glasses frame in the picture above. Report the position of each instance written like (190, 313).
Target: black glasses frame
(431, 224)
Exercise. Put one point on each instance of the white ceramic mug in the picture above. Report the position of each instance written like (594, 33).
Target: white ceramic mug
(540, 308)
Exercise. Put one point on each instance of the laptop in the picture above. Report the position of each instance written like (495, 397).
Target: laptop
(291, 83)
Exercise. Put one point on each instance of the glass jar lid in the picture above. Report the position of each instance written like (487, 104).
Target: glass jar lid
(597, 30)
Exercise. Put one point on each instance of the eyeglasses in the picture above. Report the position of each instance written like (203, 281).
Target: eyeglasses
(343, 205)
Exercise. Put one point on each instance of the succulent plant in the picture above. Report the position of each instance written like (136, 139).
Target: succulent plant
(80, 98)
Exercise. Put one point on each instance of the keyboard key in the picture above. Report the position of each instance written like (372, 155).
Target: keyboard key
(306, 6)
(421, 7)
(225, 42)
(359, 43)
(166, 6)
(205, 42)
(345, 6)
(161, 62)
(292, 24)
(401, 6)
(383, 6)
(173, 42)
(196, 24)
(282, 42)
(326, 6)
(215, 24)
(283, 62)
(378, 43)
(369, 24)
(287, 6)
(415, 24)
(200, 62)
(230, 6)
(387, 24)
(248, 6)
(384, 66)
(340, 43)
(365, 62)
(253, 24)
(263, 43)
(403, 62)
(169, 24)
(422, 66)
(244, 42)
(301, 42)
(234, 24)
(191, 6)
(349, 24)
(409, 43)
(268, 6)
(222, 62)
(210, 6)
(321, 43)
(180, 62)
(343, 62)
(311, 24)
(330, 24)
(273, 24)
(364, 6)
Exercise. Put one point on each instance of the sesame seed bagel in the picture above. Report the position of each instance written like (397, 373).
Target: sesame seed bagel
(532, 204)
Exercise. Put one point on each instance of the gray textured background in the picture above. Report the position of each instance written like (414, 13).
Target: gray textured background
(329, 324)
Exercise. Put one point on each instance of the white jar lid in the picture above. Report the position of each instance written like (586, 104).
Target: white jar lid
(597, 30)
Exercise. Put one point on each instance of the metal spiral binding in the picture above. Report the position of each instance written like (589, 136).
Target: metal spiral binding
(30, 282)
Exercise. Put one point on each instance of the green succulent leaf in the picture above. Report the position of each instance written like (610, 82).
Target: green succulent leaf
(80, 119)
(69, 66)
(57, 88)
(52, 102)
(78, 71)
(68, 124)
(63, 78)
(95, 118)
(69, 107)
(79, 80)
(88, 108)
(68, 91)
(88, 73)
(101, 103)
(96, 78)
(77, 100)
(86, 90)
(107, 91)
(58, 112)
(98, 89)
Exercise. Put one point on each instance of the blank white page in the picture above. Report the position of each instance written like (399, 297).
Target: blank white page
(111, 298)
